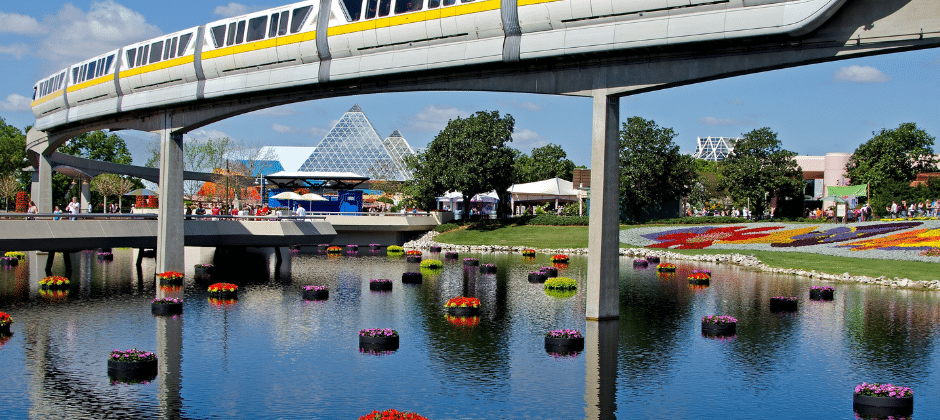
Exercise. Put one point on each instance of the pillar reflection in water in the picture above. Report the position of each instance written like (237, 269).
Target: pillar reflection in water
(169, 331)
(600, 374)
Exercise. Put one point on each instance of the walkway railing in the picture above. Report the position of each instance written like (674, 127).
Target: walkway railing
(146, 216)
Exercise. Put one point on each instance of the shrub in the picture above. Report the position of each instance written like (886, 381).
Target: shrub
(446, 227)
(561, 283)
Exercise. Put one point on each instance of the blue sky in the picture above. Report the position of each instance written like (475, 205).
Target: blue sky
(818, 109)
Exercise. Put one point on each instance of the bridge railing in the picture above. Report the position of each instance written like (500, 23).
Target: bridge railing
(146, 216)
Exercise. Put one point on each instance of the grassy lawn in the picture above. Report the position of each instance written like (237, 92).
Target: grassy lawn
(577, 237)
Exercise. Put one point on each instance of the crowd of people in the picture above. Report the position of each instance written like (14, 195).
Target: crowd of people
(914, 209)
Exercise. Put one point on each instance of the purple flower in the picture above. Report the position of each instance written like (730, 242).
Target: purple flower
(380, 281)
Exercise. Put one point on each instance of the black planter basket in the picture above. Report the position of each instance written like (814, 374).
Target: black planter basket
(435, 249)
(537, 278)
(463, 311)
(149, 253)
(224, 295)
(867, 405)
(5, 329)
(411, 278)
(563, 345)
(471, 263)
(413, 258)
(487, 269)
(640, 263)
(379, 343)
(700, 282)
(815, 294)
(55, 286)
(778, 305)
(11, 262)
(166, 308)
(316, 294)
(134, 371)
(178, 281)
(384, 286)
(726, 328)
(550, 272)
(652, 260)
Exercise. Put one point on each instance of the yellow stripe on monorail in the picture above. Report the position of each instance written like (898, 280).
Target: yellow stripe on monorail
(47, 98)
(408, 18)
(157, 66)
(261, 45)
(93, 82)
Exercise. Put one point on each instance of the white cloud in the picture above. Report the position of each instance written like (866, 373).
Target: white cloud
(18, 50)
(526, 106)
(78, 35)
(860, 74)
(283, 129)
(433, 118)
(527, 139)
(203, 134)
(15, 102)
(20, 24)
(720, 121)
(316, 132)
(235, 9)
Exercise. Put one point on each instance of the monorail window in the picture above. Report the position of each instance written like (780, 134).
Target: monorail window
(449, 2)
(272, 31)
(385, 6)
(75, 75)
(156, 51)
(370, 8)
(166, 51)
(184, 44)
(34, 93)
(405, 6)
(466, 1)
(108, 64)
(172, 49)
(299, 18)
(91, 71)
(99, 71)
(144, 54)
(218, 36)
(230, 40)
(352, 9)
(256, 28)
(240, 34)
(434, 4)
(282, 27)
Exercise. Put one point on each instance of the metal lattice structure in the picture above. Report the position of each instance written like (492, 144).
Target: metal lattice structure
(353, 145)
(715, 149)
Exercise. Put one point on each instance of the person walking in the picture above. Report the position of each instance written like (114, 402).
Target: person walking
(73, 207)
(894, 209)
(32, 210)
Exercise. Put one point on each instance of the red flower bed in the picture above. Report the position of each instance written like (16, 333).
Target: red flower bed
(462, 301)
(223, 287)
(391, 414)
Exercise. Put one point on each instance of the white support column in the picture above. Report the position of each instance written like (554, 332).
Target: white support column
(170, 214)
(41, 190)
(603, 275)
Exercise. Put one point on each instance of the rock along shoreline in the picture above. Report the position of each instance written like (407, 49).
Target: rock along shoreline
(749, 261)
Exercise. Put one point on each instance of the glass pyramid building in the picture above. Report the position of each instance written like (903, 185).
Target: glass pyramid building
(715, 149)
(353, 145)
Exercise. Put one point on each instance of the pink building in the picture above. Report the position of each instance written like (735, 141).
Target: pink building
(824, 171)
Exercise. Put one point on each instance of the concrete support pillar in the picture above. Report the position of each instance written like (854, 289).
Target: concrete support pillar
(170, 214)
(600, 373)
(41, 189)
(86, 197)
(603, 275)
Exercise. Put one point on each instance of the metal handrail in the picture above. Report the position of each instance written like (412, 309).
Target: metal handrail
(147, 216)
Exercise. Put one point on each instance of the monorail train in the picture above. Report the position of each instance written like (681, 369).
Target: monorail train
(304, 43)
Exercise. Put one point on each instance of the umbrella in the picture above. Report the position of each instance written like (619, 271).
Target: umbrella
(142, 191)
(289, 196)
(313, 197)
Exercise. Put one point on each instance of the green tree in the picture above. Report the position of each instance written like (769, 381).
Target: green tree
(545, 162)
(652, 171)
(13, 153)
(200, 156)
(470, 155)
(707, 189)
(760, 169)
(892, 155)
(96, 145)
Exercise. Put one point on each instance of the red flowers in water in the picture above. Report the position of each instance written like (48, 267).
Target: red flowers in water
(559, 258)
(462, 302)
(464, 321)
(223, 287)
(392, 414)
(413, 252)
(170, 275)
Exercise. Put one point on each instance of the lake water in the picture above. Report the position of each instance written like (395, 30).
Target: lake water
(273, 355)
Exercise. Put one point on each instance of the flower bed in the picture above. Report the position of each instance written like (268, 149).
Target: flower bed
(883, 400)
(561, 283)
(392, 415)
(378, 339)
(699, 279)
(9, 262)
(822, 293)
(411, 278)
(375, 247)
(719, 325)
(166, 306)
(5, 321)
(380, 285)
(784, 303)
(560, 258)
(528, 253)
(488, 268)
(170, 278)
(54, 283)
(450, 255)
(564, 341)
(15, 254)
(334, 250)
(549, 271)
(432, 264)
(312, 292)
(105, 256)
(394, 250)
(666, 267)
(223, 291)
(703, 271)
(463, 306)
(133, 364)
(471, 262)
(413, 252)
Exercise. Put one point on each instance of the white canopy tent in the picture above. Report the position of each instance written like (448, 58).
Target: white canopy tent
(556, 189)
(453, 197)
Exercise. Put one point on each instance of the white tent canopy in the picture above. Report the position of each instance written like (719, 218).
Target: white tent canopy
(457, 196)
(549, 189)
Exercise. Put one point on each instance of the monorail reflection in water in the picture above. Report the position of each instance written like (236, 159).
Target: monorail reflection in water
(271, 354)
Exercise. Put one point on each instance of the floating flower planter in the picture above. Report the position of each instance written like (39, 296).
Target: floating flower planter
(641, 263)
(375, 247)
(352, 247)
(166, 306)
(463, 306)
(394, 250)
(316, 293)
(170, 278)
(378, 339)
(413, 256)
(699, 279)
(883, 400)
(471, 262)
(488, 268)
(561, 293)
(380, 285)
(202, 270)
(784, 303)
(450, 255)
(223, 291)
(822, 293)
(411, 278)
(132, 365)
(560, 258)
(549, 271)
(719, 325)
(435, 248)
(652, 259)
(432, 264)
(9, 262)
(54, 283)
(528, 253)
(322, 247)
(105, 256)
(15, 254)
(334, 250)
(564, 341)
(706, 273)
(666, 267)
(463, 321)
(561, 284)
(392, 415)
(537, 277)
(5, 321)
